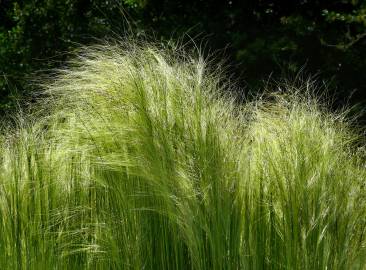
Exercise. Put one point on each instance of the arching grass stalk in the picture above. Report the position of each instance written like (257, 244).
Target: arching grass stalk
(141, 162)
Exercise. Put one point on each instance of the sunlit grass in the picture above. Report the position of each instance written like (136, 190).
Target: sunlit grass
(136, 159)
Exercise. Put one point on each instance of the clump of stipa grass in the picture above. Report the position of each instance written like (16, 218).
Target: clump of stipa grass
(139, 159)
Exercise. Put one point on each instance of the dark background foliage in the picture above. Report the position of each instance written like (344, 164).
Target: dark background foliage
(276, 38)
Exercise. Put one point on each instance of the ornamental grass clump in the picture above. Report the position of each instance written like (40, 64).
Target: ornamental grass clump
(137, 158)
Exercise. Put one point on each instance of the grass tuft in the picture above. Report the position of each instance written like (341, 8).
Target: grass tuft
(137, 159)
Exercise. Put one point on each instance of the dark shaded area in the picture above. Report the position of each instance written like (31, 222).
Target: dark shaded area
(261, 38)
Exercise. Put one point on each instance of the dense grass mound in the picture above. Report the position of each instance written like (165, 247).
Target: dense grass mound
(139, 161)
